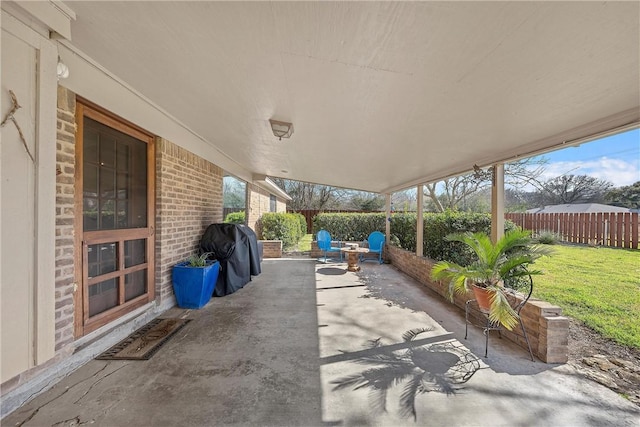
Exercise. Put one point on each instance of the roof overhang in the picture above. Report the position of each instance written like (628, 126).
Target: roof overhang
(382, 95)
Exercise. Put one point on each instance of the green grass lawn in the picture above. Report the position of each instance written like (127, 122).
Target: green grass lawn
(598, 286)
(304, 245)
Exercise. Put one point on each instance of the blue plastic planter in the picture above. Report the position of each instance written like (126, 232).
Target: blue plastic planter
(193, 286)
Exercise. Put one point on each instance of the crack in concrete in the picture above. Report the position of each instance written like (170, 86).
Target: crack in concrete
(76, 419)
(67, 389)
(98, 382)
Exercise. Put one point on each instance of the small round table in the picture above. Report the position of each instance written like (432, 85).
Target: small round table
(353, 256)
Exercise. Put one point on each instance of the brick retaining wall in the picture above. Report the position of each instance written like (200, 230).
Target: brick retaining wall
(548, 330)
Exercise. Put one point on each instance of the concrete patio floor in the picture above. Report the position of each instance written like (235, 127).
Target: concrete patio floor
(292, 347)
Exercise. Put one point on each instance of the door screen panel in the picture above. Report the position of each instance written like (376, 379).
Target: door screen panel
(114, 179)
(103, 296)
(117, 212)
(134, 284)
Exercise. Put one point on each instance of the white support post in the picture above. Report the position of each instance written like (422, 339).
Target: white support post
(387, 226)
(497, 202)
(420, 221)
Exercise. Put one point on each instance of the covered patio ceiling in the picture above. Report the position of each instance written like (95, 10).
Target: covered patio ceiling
(382, 95)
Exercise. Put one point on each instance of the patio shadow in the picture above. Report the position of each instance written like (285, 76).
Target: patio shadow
(438, 367)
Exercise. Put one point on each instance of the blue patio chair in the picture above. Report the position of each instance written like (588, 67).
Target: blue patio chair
(376, 245)
(324, 244)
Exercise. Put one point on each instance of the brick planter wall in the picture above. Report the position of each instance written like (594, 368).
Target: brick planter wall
(188, 200)
(548, 330)
(271, 248)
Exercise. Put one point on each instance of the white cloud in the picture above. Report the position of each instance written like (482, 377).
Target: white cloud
(617, 171)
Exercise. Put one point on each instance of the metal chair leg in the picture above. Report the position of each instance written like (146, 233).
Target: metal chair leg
(526, 338)
(486, 337)
(466, 318)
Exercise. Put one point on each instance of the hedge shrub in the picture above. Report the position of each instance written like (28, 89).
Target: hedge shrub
(357, 227)
(235, 218)
(288, 227)
(351, 227)
(404, 227)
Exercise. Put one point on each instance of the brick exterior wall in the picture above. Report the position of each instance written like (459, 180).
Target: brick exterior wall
(188, 200)
(65, 220)
(547, 329)
(259, 202)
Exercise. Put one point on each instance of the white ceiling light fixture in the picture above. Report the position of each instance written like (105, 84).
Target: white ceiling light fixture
(281, 129)
(62, 70)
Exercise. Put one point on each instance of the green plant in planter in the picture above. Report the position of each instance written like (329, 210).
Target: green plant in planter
(196, 260)
(505, 261)
(194, 280)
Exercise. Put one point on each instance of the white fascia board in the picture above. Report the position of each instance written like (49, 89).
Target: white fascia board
(54, 14)
(266, 183)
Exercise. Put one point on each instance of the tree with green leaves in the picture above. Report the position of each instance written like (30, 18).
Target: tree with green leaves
(625, 197)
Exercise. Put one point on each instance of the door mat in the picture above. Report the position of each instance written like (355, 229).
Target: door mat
(146, 341)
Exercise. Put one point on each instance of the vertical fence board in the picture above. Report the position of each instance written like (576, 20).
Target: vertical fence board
(626, 229)
(599, 228)
(619, 230)
(634, 230)
(612, 230)
(579, 228)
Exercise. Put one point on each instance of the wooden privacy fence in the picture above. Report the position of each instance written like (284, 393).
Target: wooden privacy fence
(605, 229)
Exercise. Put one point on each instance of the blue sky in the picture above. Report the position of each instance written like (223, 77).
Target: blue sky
(615, 158)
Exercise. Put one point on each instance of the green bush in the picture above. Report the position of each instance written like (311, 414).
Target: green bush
(357, 227)
(437, 226)
(546, 237)
(403, 228)
(352, 227)
(235, 218)
(287, 227)
(303, 223)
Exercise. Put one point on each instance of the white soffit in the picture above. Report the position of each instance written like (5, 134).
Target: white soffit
(382, 95)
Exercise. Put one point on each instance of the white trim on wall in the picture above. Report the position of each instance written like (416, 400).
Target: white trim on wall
(45, 187)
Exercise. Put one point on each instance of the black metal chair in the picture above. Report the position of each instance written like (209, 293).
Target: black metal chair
(519, 298)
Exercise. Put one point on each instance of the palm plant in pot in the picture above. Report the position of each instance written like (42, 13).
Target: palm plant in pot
(505, 261)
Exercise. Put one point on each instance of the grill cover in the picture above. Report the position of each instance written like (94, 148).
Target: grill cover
(236, 248)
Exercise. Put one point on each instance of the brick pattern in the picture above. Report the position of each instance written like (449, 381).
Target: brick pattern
(271, 248)
(547, 329)
(65, 220)
(259, 203)
(188, 200)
